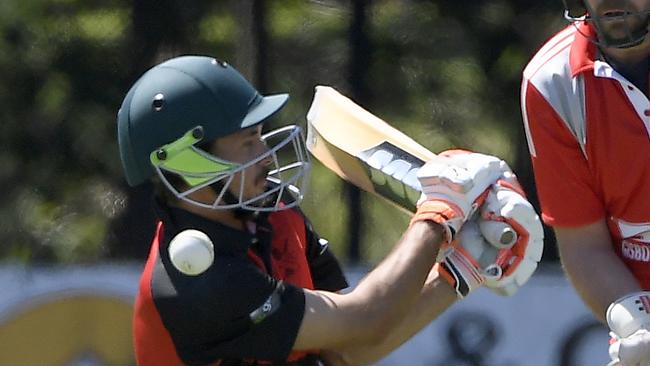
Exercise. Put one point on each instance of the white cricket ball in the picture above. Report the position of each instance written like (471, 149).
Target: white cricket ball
(191, 252)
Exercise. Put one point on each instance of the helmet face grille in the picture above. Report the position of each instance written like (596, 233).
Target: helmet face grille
(194, 169)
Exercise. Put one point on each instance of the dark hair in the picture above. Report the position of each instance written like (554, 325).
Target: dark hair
(162, 192)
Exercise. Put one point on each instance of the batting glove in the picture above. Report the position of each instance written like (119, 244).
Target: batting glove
(515, 260)
(501, 248)
(453, 186)
(460, 262)
(629, 323)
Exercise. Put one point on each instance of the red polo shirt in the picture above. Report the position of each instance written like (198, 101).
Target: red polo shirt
(588, 131)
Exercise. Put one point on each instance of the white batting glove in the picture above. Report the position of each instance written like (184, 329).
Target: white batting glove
(453, 186)
(629, 323)
(501, 248)
(465, 262)
(515, 260)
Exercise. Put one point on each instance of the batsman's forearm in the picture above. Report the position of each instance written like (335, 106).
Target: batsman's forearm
(390, 290)
(377, 305)
(435, 297)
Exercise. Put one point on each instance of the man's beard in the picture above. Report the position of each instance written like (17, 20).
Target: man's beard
(620, 24)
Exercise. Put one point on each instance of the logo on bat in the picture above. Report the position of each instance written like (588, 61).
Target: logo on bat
(393, 173)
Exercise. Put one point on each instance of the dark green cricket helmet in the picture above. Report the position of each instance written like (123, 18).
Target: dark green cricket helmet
(178, 95)
(189, 100)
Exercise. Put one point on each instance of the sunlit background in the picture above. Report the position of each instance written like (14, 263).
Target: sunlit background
(445, 72)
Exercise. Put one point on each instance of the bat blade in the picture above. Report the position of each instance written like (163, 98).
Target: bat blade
(366, 151)
(363, 149)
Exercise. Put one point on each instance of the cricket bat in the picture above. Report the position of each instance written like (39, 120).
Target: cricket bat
(366, 151)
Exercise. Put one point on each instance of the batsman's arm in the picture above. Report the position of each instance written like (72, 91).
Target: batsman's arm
(435, 297)
(379, 302)
(597, 273)
(438, 293)
(452, 188)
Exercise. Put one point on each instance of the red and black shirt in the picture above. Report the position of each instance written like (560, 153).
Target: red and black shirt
(246, 308)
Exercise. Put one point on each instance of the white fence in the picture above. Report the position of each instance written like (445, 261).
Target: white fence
(81, 316)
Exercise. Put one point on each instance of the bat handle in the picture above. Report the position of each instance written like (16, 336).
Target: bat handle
(498, 233)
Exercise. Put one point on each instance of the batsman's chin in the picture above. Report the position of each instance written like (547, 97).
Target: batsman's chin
(254, 189)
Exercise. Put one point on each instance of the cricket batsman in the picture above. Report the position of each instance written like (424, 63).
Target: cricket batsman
(237, 275)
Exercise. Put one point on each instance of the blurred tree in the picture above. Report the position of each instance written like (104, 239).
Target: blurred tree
(159, 31)
(251, 56)
(358, 71)
(57, 147)
(446, 73)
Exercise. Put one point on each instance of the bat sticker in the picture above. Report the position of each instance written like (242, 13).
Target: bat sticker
(393, 173)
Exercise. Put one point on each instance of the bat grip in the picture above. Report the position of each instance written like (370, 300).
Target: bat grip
(498, 233)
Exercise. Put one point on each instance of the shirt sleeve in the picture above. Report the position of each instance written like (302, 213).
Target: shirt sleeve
(566, 187)
(231, 311)
(325, 269)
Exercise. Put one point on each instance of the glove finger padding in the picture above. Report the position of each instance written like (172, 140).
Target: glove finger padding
(469, 260)
(517, 263)
(461, 260)
(456, 182)
(634, 349)
(459, 176)
(614, 346)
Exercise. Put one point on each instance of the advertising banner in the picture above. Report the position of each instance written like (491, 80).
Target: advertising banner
(82, 316)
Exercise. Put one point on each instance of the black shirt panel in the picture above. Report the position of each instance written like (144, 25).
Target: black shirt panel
(208, 316)
(272, 339)
(325, 269)
(228, 240)
(309, 360)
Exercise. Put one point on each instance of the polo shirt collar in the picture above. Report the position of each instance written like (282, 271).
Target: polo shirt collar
(583, 52)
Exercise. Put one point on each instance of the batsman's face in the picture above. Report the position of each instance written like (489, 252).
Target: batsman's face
(242, 147)
(619, 17)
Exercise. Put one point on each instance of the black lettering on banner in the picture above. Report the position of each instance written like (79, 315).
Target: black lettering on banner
(575, 346)
(471, 338)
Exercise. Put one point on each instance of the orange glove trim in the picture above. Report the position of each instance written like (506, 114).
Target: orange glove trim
(508, 259)
(513, 186)
(444, 273)
(437, 211)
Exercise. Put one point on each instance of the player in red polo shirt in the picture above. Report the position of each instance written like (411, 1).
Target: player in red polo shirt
(587, 120)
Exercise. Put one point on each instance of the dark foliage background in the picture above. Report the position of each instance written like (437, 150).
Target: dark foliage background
(445, 72)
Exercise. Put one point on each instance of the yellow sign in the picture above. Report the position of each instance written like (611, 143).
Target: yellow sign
(66, 329)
